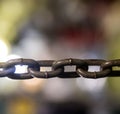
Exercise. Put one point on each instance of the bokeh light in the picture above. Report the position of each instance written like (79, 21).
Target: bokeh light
(4, 50)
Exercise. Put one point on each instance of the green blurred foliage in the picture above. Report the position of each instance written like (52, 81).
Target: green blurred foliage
(12, 13)
(112, 29)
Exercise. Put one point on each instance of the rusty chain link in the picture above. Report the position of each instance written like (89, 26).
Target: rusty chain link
(7, 69)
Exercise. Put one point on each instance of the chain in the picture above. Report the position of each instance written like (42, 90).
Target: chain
(58, 68)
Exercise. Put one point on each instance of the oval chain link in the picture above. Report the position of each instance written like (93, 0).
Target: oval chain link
(99, 74)
(65, 62)
(46, 74)
(109, 65)
(29, 62)
(4, 71)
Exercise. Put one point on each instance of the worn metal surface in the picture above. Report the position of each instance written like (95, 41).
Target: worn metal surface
(8, 69)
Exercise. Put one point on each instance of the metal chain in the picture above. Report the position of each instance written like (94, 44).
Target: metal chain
(8, 69)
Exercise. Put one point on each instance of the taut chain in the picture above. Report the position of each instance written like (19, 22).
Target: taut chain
(81, 68)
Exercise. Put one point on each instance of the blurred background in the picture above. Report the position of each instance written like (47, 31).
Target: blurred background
(58, 29)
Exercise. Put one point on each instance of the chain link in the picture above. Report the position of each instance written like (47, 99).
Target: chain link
(8, 69)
